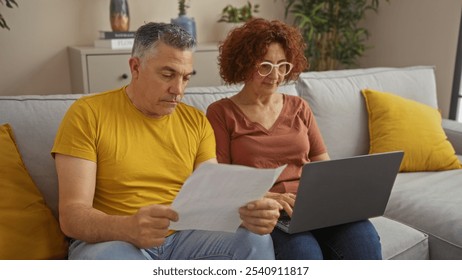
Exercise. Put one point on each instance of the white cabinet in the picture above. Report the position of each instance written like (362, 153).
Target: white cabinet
(101, 69)
(98, 69)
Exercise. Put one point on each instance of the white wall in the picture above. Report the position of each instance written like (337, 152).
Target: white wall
(33, 55)
(417, 32)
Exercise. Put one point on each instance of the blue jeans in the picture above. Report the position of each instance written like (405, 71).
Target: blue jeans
(182, 245)
(352, 241)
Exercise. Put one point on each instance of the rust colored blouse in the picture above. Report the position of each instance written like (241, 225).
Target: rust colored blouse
(293, 139)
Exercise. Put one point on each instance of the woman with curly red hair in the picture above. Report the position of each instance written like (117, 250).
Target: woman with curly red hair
(263, 128)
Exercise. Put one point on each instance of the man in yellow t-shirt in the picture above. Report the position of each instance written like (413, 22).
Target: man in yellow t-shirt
(122, 156)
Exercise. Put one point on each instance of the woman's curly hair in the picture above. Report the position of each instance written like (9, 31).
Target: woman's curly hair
(247, 45)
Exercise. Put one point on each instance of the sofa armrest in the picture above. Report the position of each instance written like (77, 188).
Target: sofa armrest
(453, 130)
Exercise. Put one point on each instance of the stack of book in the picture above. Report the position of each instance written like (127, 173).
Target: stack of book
(115, 39)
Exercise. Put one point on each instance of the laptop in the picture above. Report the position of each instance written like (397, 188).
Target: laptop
(339, 191)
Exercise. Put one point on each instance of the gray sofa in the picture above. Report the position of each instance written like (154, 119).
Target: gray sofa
(423, 219)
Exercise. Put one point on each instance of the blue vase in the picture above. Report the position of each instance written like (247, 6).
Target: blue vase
(186, 23)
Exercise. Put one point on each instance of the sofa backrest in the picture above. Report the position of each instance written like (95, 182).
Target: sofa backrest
(202, 97)
(35, 120)
(334, 97)
(339, 107)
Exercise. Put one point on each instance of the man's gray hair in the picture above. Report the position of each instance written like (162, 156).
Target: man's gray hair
(148, 36)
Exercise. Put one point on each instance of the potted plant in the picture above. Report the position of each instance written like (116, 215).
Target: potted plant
(9, 5)
(187, 23)
(330, 28)
(182, 6)
(232, 16)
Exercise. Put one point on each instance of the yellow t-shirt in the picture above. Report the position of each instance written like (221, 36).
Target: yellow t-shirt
(141, 160)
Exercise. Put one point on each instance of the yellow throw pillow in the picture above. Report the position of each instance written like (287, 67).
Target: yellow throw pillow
(28, 229)
(397, 123)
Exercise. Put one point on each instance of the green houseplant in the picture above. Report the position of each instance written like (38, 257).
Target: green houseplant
(234, 14)
(8, 3)
(182, 6)
(331, 30)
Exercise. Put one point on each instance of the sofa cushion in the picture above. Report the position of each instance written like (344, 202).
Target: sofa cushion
(28, 229)
(398, 123)
(35, 119)
(336, 100)
(431, 202)
(399, 241)
(202, 97)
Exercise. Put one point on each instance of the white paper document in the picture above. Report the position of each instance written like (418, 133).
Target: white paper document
(211, 196)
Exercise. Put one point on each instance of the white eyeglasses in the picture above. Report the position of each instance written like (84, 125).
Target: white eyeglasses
(283, 68)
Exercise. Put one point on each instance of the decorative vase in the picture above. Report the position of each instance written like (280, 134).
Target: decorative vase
(119, 15)
(186, 23)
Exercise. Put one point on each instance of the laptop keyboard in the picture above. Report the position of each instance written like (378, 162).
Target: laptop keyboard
(284, 218)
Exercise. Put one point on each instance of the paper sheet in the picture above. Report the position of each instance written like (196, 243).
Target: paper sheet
(211, 196)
